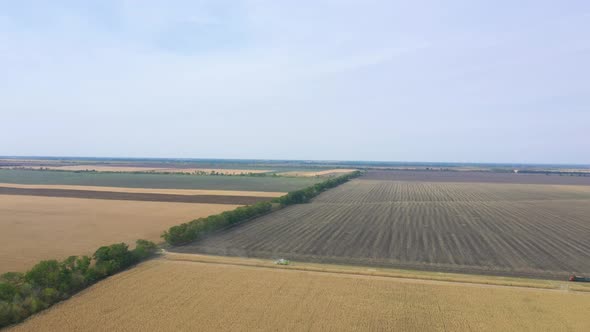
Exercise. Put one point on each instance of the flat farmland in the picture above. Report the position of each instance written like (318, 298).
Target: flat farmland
(328, 172)
(483, 228)
(52, 215)
(186, 296)
(157, 181)
(147, 190)
(35, 228)
(129, 196)
(479, 177)
(115, 168)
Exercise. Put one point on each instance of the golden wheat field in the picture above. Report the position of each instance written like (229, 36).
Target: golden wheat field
(189, 296)
(36, 228)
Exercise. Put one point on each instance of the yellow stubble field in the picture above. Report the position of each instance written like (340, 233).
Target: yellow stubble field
(171, 295)
(35, 228)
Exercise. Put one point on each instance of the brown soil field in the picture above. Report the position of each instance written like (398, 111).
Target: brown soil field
(148, 190)
(115, 168)
(483, 228)
(36, 228)
(122, 196)
(189, 296)
(337, 171)
(485, 177)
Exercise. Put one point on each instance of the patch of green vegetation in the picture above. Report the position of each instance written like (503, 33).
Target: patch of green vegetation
(192, 230)
(51, 281)
(158, 181)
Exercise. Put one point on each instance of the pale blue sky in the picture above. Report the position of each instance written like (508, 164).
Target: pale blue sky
(464, 81)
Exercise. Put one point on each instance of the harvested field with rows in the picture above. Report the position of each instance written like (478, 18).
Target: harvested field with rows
(483, 228)
(184, 296)
(36, 228)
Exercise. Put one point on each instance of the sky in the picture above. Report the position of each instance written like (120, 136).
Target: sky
(449, 81)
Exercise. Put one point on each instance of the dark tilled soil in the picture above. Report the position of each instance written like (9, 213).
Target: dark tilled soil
(208, 199)
(481, 228)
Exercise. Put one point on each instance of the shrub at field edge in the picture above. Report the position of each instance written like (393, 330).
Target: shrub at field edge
(51, 281)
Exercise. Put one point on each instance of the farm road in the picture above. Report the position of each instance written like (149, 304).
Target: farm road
(355, 272)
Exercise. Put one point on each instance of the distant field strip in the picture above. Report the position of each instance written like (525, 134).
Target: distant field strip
(207, 199)
(374, 191)
(501, 229)
(148, 190)
(34, 228)
(337, 171)
(474, 176)
(158, 181)
(115, 168)
(187, 296)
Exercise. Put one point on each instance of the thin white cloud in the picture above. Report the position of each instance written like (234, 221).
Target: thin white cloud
(370, 80)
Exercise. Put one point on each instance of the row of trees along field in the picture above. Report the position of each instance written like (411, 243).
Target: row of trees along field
(190, 231)
(48, 282)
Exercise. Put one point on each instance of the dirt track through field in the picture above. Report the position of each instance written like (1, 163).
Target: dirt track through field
(439, 278)
(150, 197)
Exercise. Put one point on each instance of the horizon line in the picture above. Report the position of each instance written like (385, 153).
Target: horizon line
(422, 163)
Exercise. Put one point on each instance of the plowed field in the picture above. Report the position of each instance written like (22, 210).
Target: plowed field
(486, 228)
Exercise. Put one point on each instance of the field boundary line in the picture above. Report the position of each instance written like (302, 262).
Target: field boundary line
(415, 276)
(125, 196)
(165, 191)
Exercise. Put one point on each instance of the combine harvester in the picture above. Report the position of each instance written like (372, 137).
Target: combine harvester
(574, 277)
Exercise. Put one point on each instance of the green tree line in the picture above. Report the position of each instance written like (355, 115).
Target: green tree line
(192, 230)
(48, 282)
(306, 194)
